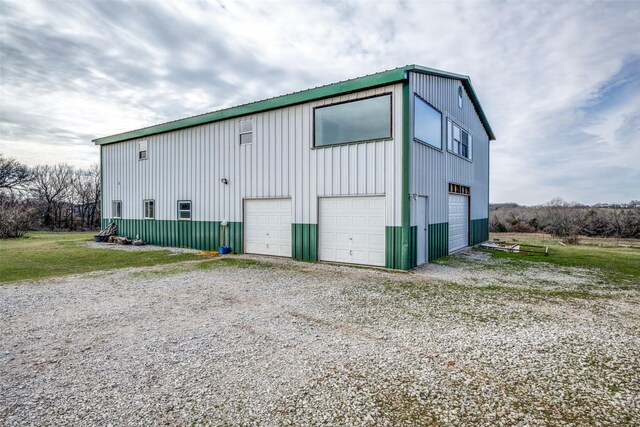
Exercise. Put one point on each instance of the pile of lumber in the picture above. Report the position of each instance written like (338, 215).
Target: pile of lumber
(109, 231)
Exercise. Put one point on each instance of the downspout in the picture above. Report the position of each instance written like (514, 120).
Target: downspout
(404, 207)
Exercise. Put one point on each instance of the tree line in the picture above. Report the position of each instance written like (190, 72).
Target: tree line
(564, 219)
(48, 197)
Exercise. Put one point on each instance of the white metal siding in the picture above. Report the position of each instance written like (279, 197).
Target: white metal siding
(352, 230)
(432, 169)
(267, 227)
(188, 164)
(458, 222)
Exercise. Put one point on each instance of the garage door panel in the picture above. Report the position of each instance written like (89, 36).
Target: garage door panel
(268, 227)
(458, 222)
(352, 230)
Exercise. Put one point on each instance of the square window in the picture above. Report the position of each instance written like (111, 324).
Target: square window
(460, 142)
(184, 209)
(149, 209)
(116, 209)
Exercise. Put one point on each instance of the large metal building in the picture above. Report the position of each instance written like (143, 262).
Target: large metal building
(390, 170)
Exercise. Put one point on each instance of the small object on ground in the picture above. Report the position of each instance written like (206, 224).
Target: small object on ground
(138, 242)
(222, 250)
(98, 238)
(208, 253)
(515, 248)
(119, 240)
(560, 241)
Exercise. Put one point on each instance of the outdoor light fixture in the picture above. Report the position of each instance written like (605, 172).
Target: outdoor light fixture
(224, 181)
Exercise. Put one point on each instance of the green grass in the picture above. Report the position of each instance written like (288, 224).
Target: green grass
(618, 263)
(41, 255)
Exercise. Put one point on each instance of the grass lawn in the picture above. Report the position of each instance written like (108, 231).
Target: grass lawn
(618, 262)
(43, 254)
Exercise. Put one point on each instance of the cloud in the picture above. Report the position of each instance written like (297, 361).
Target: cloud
(558, 81)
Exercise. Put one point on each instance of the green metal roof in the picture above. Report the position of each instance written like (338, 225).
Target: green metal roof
(373, 80)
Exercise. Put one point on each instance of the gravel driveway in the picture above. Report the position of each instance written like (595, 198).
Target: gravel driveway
(274, 342)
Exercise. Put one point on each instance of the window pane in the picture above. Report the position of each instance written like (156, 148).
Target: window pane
(185, 214)
(246, 138)
(456, 133)
(246, 126)
(362, 120)
(427, 123)
(185, 206)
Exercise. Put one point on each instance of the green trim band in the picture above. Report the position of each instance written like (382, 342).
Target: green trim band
(304, 239)
(438, 240)
(203, 235)
(478, 231)
(394, 248)
(361, 83)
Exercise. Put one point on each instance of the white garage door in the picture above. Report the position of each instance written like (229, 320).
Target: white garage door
(458, 222)
(351, 230)
(267, 227)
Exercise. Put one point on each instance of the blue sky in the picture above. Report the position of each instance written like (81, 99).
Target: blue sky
(559, 81)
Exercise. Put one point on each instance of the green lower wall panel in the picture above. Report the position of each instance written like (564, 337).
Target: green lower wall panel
(304, 242)
(203, 235)
(479, 231)
(438, 240)
(393, 248)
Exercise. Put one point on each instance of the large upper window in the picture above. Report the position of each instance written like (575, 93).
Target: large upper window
(246, 132)
(427, 123)
(354, 121)
(142, 150)
(460, 142)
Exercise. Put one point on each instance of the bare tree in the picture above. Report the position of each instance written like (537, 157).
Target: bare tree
(52, 185)
(14, 176)
(86, 195)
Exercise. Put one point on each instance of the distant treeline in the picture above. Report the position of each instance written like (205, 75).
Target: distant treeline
(564, 219)
(50, 197)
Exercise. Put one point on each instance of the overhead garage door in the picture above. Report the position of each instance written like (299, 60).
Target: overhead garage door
(351, 230)
(267, 227)
(458, 222)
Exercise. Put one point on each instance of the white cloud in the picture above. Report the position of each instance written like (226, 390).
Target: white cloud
(77, 70)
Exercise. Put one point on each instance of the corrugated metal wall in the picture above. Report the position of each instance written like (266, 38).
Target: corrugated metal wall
(188, 164)
(433, 169)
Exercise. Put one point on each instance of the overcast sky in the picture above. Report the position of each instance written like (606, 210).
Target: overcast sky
(559, 81)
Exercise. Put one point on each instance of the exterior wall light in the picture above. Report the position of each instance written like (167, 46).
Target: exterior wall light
(224, 181)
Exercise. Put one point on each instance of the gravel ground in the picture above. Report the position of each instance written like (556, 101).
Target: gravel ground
(251, 341)
(144, 248)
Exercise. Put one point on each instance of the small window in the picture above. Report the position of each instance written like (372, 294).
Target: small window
(459, 97)
(184, 209)
(246, 132)
(361, 120)
(427, 123)
(142, 150)
(149, 209)
(459, 140)
(116, 209)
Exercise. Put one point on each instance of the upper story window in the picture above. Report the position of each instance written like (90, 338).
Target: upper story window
(246, 132)
(367, 119)
(116, 209)
(427, 123)
(149, 209)
(142, 150)
(460, 142)
(459, 97)
(184, 209)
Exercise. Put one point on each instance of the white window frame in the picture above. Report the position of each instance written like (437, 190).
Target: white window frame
(143, 150)
(246, 132)
(455, 146)
(180, 211)
(115, 203)
(145, 203)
